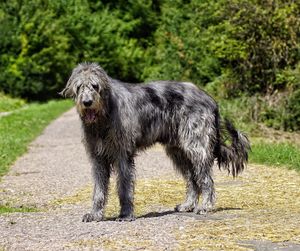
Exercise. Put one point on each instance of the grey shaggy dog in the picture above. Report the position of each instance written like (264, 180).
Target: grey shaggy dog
(119, 119)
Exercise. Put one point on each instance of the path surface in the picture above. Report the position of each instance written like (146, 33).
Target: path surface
(260, 210)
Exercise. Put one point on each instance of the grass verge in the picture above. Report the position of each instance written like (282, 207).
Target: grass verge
(18, 129)
(9, 104)
(276, 154)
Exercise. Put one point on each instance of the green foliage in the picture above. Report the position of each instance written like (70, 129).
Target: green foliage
(21, 127)
(235, 48)
(41, 41)
(279, 111)
(180, 48)
(292, 114)
(258, 41)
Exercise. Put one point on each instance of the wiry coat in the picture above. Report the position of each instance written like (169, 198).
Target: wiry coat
(120, 119)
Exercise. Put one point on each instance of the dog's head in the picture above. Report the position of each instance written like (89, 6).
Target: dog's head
(87, 86)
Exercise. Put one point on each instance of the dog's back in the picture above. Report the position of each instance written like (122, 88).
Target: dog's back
(162, 111)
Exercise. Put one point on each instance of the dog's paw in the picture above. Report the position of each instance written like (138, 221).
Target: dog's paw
(184, 208)
(89, 217)
(126, 218)
(203, 210)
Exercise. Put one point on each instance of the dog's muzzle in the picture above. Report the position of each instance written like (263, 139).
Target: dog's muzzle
(89, 115)
(89, 109)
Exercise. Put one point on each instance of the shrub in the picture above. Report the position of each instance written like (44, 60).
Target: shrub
(41, 41)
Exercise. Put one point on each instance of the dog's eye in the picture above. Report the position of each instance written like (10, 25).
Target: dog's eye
(77, 88)
(96, 87)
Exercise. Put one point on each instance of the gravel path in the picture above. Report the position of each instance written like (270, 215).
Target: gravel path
(54, 177)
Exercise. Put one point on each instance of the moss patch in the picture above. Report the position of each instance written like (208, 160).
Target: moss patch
(8, 209)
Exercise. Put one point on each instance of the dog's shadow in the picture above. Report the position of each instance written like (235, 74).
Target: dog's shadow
(148, 215)
(157, 214)
(212, 215)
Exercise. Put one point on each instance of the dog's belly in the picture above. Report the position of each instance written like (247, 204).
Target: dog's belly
(157, 135)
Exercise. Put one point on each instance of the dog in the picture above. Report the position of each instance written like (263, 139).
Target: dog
(119, 119)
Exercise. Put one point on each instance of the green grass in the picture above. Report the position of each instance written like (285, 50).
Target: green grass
(9, 104)
(18, 129)
(6, 209)
(276, 154)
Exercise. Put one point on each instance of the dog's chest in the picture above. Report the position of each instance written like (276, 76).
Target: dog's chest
(109, 144)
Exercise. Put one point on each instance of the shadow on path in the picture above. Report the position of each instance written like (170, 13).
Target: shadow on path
(209, 216)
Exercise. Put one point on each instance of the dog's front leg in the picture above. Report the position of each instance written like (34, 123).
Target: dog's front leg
(126, 177)
(101, 174)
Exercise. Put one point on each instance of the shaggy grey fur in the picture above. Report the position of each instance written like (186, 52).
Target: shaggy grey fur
(119, 119)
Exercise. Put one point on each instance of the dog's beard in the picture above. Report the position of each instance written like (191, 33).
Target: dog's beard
(89, 116)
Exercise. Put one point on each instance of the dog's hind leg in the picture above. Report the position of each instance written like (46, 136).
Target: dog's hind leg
(207, 189)
(197, 140)
(201, 157)
(184, 165)
(202, 161)
(192, 195)
(101, 175)
(125, 183)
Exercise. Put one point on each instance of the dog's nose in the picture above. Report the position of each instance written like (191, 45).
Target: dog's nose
(87, 103)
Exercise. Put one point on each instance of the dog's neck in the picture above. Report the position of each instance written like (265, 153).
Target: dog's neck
(98, 127)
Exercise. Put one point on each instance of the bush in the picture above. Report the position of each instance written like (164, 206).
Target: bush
(292, 112)
(256, 41)
(180, 47)
(40, 42)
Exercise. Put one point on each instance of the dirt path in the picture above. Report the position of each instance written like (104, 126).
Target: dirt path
(259, 210)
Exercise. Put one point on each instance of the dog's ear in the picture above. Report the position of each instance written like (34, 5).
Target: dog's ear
(68, 91)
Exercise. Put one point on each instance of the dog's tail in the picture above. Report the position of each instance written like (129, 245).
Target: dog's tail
(233, 157)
